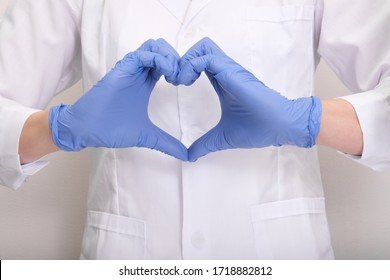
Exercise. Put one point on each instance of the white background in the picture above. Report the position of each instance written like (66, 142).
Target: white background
(45, 218)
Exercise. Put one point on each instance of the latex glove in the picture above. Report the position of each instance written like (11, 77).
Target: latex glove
(114, 113)
(253, 115)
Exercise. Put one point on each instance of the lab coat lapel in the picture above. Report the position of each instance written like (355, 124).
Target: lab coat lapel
(195, 7)
(179, 8)
(176, 8)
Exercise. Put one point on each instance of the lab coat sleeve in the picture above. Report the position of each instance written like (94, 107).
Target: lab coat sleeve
(39, 57)
(353, 39)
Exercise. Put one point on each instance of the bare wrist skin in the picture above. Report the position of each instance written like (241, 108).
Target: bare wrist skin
(340, 128)
(36, 140)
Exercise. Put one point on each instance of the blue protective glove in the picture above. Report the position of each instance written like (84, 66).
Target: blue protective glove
(114, 113)
(253, 115)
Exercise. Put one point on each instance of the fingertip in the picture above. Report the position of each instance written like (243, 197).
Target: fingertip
(195, 152)
(166, 49)
(161, 68)
(191, 71)
(172, 77)
(169, 145)
(210, 142)
(187, 76)
(162, 41)
(147, 45)
(179, 151)
(199, 147)
(160, 64)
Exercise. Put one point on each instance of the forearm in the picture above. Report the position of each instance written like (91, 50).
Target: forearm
(36, 140)
(340, 128)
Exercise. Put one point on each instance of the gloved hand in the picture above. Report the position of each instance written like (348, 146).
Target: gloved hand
(253, 115)
(114, 113)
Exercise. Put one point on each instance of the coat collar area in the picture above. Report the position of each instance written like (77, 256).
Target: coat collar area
(184, 10)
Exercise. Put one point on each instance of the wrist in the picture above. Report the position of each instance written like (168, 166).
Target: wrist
(340, 127)
(303, 120)
(63, 128)
(35, 139)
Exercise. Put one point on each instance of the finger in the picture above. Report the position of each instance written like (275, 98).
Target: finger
(189, 73)
(204, 47)
(163, 48)
(211, 64)
(212, 141)
(159, 64)
(159, 140)
(160, 46)
(203, 56)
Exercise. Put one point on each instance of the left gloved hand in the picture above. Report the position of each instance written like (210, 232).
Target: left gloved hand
(253, 115)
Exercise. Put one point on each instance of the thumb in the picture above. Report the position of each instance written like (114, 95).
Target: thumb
(212, 141)
(159, 140)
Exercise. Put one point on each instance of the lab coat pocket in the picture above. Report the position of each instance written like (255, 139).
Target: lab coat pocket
(292, 229)
(109, 236)
(280, 41)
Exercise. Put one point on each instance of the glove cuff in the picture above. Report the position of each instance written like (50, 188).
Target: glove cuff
(55, 124)
(314, 120)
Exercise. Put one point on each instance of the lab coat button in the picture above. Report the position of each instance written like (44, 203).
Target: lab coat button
(198, 240)
(190, 34)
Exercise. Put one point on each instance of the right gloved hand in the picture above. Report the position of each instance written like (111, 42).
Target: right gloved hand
(114, 113)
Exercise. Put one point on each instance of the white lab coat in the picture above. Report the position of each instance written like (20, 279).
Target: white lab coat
(238, 204)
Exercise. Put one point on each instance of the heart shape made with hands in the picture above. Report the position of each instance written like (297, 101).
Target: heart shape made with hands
(253, 115)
